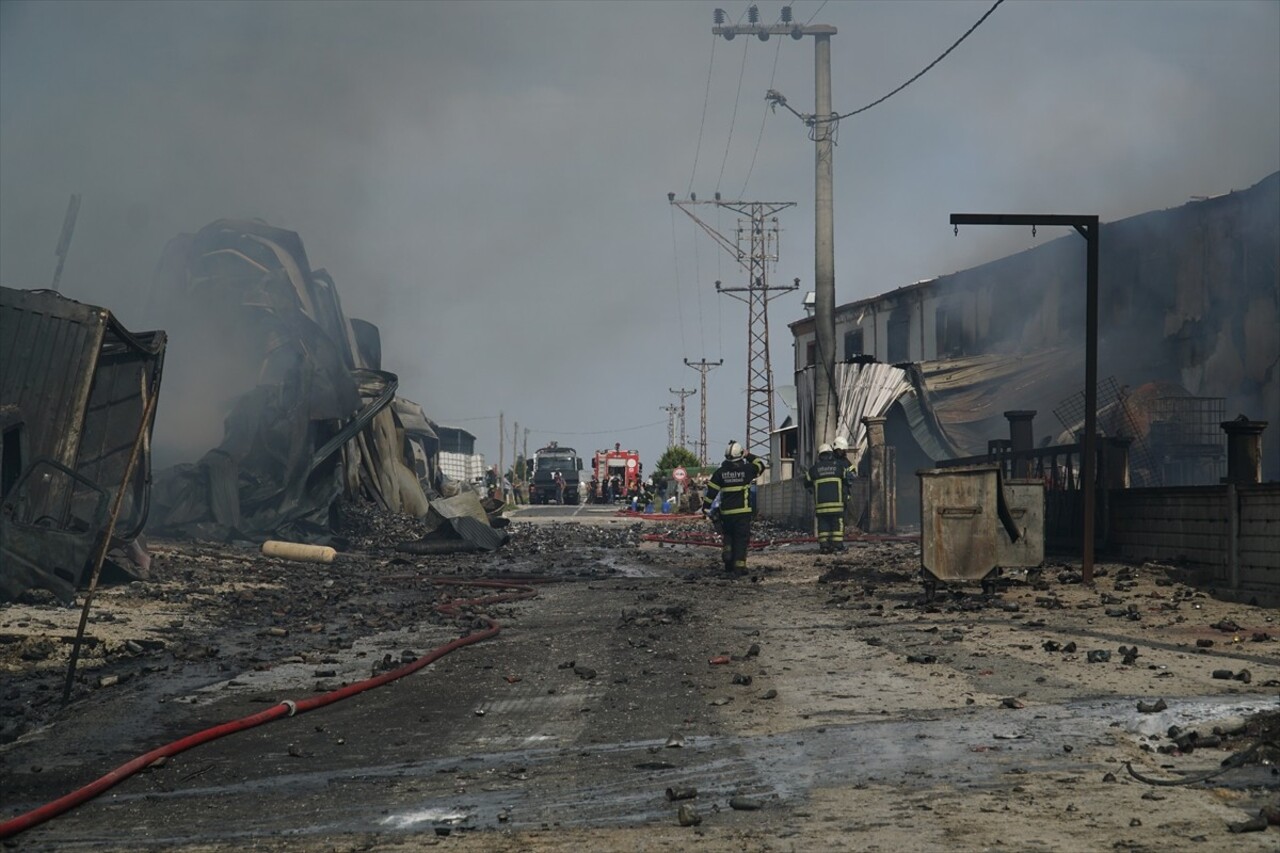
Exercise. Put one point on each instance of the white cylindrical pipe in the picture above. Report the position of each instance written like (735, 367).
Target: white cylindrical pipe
(298, 552)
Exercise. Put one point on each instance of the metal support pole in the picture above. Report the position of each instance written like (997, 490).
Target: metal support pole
(64, 241)
(1089, 465)
(104, 544)
(1087, 226)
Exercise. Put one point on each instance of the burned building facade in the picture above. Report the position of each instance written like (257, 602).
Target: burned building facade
(1189, 335)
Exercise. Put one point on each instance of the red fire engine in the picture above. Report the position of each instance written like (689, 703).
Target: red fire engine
(620, 467)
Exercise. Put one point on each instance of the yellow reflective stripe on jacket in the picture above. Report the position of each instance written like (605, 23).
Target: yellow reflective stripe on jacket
(729, 505)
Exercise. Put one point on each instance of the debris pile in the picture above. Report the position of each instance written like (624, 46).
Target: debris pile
(320, 420)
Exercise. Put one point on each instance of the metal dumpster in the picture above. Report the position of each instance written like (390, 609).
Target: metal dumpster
(974, 523)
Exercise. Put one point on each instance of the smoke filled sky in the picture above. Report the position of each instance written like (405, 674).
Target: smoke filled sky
(487, 181)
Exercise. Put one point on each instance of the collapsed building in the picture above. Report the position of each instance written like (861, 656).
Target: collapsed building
(1189, 340)
(313, 419)
(322, 421)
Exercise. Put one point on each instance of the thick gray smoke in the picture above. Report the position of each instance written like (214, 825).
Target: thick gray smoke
(487, 181)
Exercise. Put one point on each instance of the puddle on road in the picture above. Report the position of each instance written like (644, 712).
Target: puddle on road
(625, 568)
(974, 749)
(977, 750)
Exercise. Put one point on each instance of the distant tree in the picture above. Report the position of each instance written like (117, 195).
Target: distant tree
(519, 470)
(677, 457)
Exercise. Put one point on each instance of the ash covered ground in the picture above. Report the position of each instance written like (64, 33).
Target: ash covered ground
(824, 692)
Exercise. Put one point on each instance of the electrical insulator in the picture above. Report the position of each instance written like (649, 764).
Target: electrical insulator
(753, 14)
(718, 16)
(786, 14)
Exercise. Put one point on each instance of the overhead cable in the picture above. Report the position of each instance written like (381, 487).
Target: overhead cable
(706, 96)
(815, 13)
(764, 118)
(675, 262)
(733, 119)
(925, 70)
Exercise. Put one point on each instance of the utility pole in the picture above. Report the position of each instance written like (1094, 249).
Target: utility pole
(502, 441)
(822, 125)
(703, 367)
(683, 392)
(755, 248)
(671, 409)
(525, 453)
(64, 240)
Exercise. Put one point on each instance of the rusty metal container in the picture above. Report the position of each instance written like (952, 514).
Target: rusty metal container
(1025, 499)
(974, 523)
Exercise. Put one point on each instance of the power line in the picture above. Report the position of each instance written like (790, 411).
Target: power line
(706, 97)
(967, 33)
(737, 99)
(697, 285)
(596, 432)
(764, 118)
(675, 262)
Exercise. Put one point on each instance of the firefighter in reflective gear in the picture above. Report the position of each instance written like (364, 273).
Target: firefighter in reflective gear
(828, 479)
(729, 492)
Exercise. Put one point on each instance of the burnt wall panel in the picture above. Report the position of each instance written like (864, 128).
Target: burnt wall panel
(51, 347)
(1190, 524)
(1259, 540)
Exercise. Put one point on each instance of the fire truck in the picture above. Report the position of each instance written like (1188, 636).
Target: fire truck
(620, 466)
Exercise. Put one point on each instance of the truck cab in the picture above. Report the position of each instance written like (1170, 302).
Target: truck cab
(548, 462)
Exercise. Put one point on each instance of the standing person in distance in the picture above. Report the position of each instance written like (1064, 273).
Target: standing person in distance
(829, 480)
(731, 484)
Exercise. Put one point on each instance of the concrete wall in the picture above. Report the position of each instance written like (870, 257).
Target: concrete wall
(785, 502)
(1231, 534)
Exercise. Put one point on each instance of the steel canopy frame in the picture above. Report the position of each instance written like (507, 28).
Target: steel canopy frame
(1087, 226)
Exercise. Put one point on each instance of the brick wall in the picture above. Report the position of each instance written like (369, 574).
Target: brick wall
(1230, 533)
(786, 502)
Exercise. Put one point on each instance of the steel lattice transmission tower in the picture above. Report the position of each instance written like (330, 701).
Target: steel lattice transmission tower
(682, 393)
(703, 367)
(755, 248)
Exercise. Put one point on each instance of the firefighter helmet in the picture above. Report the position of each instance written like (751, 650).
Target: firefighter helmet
(733, 451)
(840, 443)
(824, 448)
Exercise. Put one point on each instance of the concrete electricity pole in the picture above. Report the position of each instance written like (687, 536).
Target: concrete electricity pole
(683, 392)
(671, 409)
(703, 367)
(823, 126)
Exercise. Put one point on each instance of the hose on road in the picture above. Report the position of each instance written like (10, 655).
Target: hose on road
(288, 707)
(713, 539)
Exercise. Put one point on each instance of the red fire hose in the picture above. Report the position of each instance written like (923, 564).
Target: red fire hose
(712, 540)
(286, 708)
